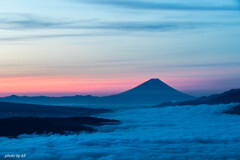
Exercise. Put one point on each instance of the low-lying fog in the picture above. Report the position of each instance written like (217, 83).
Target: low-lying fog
(185, 132)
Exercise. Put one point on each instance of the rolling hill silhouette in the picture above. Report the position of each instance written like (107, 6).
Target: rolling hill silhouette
(9, 110)
(151, 92)
(231, 96)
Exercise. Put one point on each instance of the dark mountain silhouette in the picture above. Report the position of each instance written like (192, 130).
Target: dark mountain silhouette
(45, 100)
(151, 92)
(17, 119)
(8, 110)
(13, 127)
(234, 110)
(231, 96)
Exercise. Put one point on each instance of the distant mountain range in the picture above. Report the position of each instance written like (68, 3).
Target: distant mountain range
(9, 110)
(231, 96)
(151, 92)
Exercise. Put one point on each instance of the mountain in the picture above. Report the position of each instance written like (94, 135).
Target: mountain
(17, 119)
(231, 96)
(45, 100)
(15, 126)
(151, 92)
(9, 110)
(234, 110)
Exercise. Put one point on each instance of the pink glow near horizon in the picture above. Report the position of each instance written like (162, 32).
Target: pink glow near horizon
(55, 85)
(60, 86)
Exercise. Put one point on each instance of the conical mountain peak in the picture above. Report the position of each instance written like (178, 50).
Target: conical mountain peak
(153, 84)
(154, 81)
(154, 90)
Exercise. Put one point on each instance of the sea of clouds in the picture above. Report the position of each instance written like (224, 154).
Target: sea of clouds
(182, 132)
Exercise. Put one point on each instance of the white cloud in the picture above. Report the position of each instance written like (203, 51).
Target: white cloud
(187, 132)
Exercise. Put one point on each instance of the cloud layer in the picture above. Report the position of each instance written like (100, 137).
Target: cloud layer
(166, 5)
(93, 27)
(184, 132)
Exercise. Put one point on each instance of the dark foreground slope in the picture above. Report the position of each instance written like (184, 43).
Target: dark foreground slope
(17, 119)
(13, 127)
(25, 110)
(231, 96)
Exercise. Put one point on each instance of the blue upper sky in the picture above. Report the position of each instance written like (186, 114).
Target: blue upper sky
(192, 45)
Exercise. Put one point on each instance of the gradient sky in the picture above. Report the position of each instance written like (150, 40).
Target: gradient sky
(101, 47)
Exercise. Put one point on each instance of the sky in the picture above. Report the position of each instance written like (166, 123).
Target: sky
(103, 47)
